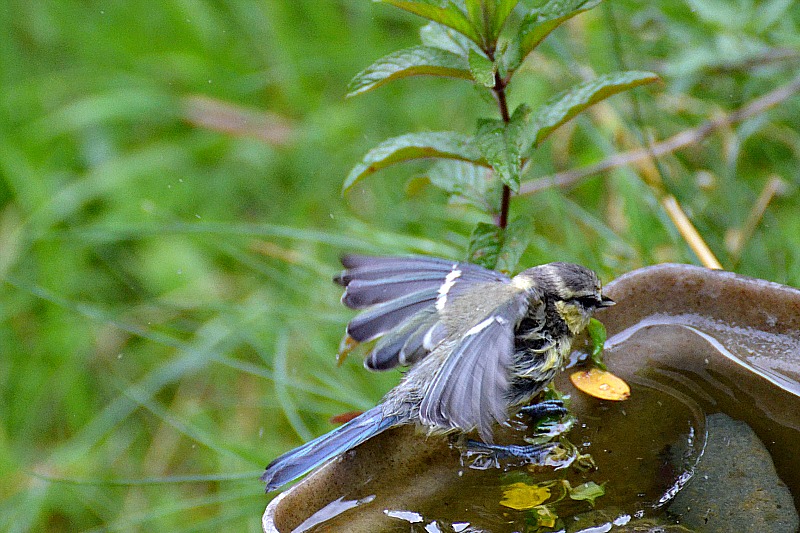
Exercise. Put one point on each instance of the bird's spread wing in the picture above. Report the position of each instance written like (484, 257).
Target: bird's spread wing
(384, 317)
(403, 298)
(366, 267)
(470, 388)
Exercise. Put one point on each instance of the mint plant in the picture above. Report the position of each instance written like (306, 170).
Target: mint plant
(485, 42)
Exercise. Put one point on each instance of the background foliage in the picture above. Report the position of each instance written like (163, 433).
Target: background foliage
(170, 218)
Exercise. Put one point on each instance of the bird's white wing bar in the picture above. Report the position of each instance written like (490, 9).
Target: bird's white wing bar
(402, 298)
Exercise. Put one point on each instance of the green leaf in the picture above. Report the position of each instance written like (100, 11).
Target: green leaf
(502, 144)
(597, 334)
(588, 491)
(440, 11)
(495, 248)
(489, 16)
(505, 160)
(443, 144)
(501, 13)
(516, 239)
(484, 245)
(467, 183)
(482, 68)
(507, 57)
(540, 22)
(566, 105)
(479, 12)
(414, 61)
(439, 36)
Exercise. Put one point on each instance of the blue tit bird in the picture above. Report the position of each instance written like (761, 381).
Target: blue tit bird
(480, 345)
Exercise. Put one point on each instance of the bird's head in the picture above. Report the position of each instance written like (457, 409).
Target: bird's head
(575, 291)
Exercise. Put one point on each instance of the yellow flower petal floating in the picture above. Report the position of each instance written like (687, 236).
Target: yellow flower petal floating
(521, 496)
(601, 384)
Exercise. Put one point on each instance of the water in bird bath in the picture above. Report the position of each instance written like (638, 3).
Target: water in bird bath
(692, 343)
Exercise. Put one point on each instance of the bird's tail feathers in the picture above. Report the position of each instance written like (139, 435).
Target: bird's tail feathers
(305, 458)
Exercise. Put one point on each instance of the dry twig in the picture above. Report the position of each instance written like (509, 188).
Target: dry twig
(736, 239)
(676, 142)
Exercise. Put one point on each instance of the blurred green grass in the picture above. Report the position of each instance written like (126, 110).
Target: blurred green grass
(168, 324)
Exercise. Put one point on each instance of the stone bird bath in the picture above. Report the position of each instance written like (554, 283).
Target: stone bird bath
(692, 343)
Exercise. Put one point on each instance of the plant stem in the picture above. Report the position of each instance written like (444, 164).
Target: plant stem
(500, 92)
(502, 220)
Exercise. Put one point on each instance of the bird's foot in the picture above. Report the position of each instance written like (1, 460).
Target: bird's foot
(550, 419)
(545, 409)
(482, 456)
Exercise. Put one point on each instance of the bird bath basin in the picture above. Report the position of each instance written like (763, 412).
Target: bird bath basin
(713, 360)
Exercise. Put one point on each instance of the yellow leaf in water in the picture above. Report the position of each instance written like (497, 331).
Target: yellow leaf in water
(601, 384)
(521, 496)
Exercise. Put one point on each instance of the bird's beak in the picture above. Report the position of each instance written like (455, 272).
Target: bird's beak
(606, 302)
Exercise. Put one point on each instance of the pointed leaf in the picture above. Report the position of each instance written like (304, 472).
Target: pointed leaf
(489, 16)
(539, 23)
(479, 13)
(566, 105)
(502, 144)
(440, 11)
(414, 61)
(482, 68)
(501, 13)
(443, 144)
